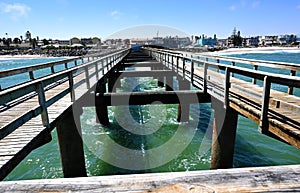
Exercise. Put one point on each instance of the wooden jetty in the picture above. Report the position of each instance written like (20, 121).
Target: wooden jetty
(31, 110)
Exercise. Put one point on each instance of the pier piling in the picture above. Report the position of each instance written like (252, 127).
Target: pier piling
(223, 137)
(183, 113)
(71, 144)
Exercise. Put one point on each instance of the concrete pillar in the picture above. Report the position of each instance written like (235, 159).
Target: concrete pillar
(183, 113)
(101, 110)
(223, 138)
(71, 145)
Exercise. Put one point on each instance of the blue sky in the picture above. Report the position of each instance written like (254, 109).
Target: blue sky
(65, 19)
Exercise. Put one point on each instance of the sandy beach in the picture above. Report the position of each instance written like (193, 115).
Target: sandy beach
(257, 50)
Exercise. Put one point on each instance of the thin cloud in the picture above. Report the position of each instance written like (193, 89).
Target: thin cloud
(255, 4)
(115, 14)
(232, 8)
(15, 10)
(298, 7)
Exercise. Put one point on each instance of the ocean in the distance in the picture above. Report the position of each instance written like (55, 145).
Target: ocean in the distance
(251, 148)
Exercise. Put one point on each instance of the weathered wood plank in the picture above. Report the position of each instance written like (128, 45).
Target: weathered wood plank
(258, 179)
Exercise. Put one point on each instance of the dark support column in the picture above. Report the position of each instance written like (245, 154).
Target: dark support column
(223, 139)
(71, 145)
(183, 113)
(111, 82)
(101, 110)
(169, 83)
(160, 81)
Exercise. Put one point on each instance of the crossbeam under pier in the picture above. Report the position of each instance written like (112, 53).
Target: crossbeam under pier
(145, 98)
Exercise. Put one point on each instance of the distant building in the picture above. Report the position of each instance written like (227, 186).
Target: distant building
(205, 41)
(287, 39)
(298, 39)
(158, 41)
(252, 41)
(63, 42)
(222, 42)
(270, 40)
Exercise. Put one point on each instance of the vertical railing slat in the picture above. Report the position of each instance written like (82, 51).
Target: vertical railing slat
(263, 126)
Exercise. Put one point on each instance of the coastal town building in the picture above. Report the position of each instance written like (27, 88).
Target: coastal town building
(173, 42)
(207, 41)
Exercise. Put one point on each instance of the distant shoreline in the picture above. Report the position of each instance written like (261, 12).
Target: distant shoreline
(257, 50)
(26, 56)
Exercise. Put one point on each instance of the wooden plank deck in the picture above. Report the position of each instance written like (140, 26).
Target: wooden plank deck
(256, 179)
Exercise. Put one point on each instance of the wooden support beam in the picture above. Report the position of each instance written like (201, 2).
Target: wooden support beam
(142, 64)
(144, 98)
(101, 107)
(111, 81)
(223, 139)
(150, 73)
(160, 81)
(169, 83)
(70, 144)
(183, 113)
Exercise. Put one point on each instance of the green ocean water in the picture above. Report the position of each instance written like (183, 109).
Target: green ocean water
(251, 148)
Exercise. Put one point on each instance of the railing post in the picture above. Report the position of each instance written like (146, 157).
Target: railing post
(165, 60)
(107, 64)
(168, 61)
(87, 78)
(66, 65)
(97, 70)
(31, 75)
(42, 102)
(192, 71)
(183, 68)
(71, 86)
(264, 123)
(102, 67)
(172, 62)
(205, 77)
(233, 64)
(52, 70)
(218, 62)
(291, 89)
(226, 87)
(255, 67)
(177, 64)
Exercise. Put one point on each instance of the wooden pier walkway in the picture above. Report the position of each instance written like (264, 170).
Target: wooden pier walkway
(31, 110)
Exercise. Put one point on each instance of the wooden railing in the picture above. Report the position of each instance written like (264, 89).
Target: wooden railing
(291, 67)
(36, 87)
(186, 67)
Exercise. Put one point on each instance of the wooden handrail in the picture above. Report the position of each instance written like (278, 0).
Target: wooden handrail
(286, 80)
(15, 92)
